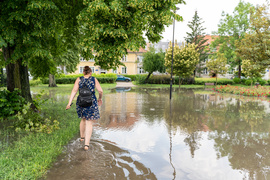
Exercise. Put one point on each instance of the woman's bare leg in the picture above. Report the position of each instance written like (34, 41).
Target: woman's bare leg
(82, 128)
(88, 132)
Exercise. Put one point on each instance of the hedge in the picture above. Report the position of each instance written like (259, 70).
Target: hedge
(163, 79)
(132, 77)
(220, 81)
(70, 79)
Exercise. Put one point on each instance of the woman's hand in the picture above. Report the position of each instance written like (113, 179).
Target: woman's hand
(99, 102)
(68, 106)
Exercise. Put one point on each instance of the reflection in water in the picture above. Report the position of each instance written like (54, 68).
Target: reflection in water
(199, 135)
(170, 133)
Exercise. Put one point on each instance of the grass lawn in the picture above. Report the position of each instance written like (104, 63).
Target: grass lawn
(29, 155)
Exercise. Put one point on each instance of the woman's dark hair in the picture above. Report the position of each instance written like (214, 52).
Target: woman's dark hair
(87, 70)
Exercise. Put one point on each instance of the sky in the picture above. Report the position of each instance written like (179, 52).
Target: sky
(210, 12)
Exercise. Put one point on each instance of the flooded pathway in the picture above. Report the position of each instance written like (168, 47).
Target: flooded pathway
(199, 135)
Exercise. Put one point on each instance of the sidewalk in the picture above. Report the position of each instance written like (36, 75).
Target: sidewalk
(124, 84)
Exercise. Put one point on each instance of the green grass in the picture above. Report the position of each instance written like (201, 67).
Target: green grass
(31, 155)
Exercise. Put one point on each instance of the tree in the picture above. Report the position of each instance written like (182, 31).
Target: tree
(231, 29)
(153, 61)
(250, 69)
(256, 45)
(217, 65)
(30, 30)
(185, 57)
(197, 36)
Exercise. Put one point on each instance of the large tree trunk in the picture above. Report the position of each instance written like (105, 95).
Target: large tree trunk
(239, 70)
(17, 75)
(1, 77)
(52, 82)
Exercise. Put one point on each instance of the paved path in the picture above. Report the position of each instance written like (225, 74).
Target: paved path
(124, 84)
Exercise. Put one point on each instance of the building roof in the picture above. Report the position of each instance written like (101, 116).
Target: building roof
(210, 38)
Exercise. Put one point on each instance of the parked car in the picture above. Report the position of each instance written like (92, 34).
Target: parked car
(123, 78)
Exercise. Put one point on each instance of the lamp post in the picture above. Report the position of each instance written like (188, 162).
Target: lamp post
(172, 55)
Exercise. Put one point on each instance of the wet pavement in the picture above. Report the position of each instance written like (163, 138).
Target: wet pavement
(199, 135)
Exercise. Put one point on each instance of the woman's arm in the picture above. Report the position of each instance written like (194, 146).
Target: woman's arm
(100, 92)
(73, 92)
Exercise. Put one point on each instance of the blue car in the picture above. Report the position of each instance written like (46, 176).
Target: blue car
(123, 78)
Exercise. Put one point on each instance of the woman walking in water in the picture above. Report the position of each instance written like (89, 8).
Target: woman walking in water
(89, 113)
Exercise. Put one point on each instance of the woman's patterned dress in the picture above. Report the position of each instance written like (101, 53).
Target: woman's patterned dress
(91, 112)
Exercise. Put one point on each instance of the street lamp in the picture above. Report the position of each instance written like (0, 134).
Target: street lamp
(177, 8)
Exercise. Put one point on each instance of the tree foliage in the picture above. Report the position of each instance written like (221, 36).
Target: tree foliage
(185, 58)
(197, 36)
(112, 27)
(217, 65)
(42, 34)
(153, 61)
(255, 47)
(250, 69)
(231, 29)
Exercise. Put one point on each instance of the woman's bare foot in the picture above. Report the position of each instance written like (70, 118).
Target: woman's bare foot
(86, 147)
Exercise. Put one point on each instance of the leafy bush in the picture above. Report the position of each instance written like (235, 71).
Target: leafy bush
(190, 80)
(261, 81)
(132, 77)
(220, 81)
(35, 82)
(71, 79)
(248, 82)
(10, 102)
(243, 81)
(159, 79)
(106, 80)
(236, 80)
(3, 79)
(30, 121)
(140, 78)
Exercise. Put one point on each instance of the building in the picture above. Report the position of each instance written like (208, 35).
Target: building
(132, 62)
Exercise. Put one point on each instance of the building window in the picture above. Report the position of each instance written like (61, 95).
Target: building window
(141, 71)
(82, 59)
(139, 59)
(230, 71)
(93, 69)
(124, 70)
(81, 69)
(124, 58)
(114, 71)
(205, 71)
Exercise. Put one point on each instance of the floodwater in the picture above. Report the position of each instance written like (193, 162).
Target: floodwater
(199, 135)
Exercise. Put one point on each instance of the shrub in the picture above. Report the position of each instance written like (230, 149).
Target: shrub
(10, 102)
(35, 82)
(132, 77)
(140, 78)
(236, 80)
(159, 79)
(248, 82)
(30, 121)
(70, 79)
(243, 81)
(220, 81)
(3, 79)
(189, 80)
(261, 81)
